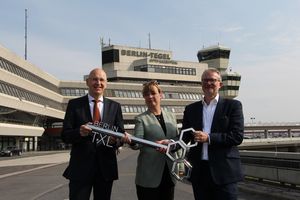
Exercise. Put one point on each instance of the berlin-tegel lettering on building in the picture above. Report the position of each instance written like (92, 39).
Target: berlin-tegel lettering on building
(145, 54)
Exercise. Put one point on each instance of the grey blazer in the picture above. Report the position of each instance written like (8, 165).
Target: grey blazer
(151, 163)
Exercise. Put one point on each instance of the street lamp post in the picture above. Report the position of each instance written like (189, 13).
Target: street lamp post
(252, 123)
(252, 119)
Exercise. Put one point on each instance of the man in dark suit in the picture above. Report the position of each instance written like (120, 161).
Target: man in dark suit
(219, 125)
(91, 166)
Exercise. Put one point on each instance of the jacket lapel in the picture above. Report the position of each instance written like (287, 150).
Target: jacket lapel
(105, 109)
(167, 121)
(218, 113)
(159, 131)
(86, 108)
(198, 117)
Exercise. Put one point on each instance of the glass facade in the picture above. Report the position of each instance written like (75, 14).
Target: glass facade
(137, 94)
(110, 56)
(213, 54)
(73, 91)
(231, 77)
(12, 68)
(130, 93)
(137, 109)
(23, 94)
(9, 115)
(166, 69)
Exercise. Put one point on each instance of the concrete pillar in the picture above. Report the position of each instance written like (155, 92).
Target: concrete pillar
(24, 146)
(266, 133)
(290, 133)
(35, 143)
(18, 142)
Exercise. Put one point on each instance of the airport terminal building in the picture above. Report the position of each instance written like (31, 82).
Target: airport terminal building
(33, 102)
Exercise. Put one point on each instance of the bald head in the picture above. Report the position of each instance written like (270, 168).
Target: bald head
(97, 71)
(97, 82)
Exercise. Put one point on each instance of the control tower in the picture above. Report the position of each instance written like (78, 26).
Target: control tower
(218, 57)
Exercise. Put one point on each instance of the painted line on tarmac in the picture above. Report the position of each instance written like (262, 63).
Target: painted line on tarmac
(48, 191)
(28, 170)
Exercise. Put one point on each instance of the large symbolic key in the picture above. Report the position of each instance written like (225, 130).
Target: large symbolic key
(97, 130)
(175, 150)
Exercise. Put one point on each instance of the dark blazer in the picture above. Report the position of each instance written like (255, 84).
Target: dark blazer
(226, 134)
(86, 159)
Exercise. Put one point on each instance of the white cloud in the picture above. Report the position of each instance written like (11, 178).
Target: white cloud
(232, 29)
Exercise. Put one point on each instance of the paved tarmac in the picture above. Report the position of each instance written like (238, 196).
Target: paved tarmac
(32, 161)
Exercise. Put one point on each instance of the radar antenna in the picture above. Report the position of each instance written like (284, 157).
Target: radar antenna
(25, 55)
(149, 40)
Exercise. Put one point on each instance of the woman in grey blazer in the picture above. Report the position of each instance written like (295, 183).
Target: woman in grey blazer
(153, 177)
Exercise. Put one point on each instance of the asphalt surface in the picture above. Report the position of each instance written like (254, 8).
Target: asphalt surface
(37, 176)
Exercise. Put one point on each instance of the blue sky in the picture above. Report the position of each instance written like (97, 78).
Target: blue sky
(264, 37)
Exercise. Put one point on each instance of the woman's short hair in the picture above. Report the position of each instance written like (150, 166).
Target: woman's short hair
(148, 87)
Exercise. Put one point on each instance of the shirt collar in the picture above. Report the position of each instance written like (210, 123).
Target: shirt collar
(92, 98)
(214, 101)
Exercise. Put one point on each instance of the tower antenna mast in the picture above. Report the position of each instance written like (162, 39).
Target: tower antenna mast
(25, 34)
(149, 40)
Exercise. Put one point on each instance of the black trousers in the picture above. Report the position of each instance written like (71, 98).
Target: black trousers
(204, 187)
(165, 190)
(81, 190)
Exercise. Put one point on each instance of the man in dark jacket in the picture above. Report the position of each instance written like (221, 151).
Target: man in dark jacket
(92, 165)
(219, 125)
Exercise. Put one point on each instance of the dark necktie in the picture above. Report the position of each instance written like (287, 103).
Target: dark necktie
(96, 114)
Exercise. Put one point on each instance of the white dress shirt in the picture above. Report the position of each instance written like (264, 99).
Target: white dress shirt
(208, 115)
(100, 105)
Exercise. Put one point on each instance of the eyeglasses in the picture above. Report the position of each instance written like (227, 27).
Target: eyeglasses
(98, 79)
(210, 80)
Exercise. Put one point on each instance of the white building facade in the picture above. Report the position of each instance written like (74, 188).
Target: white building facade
(33, 102)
